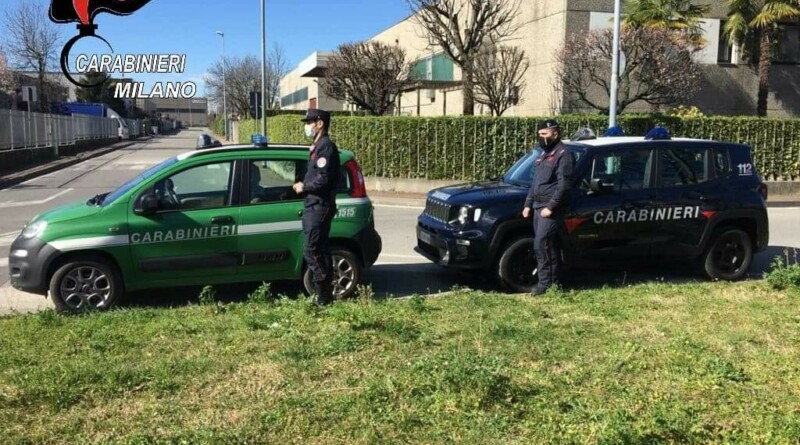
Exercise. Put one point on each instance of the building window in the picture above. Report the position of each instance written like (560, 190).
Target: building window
(788, 38)
(438, 67)
(725, 51)
(296, 97)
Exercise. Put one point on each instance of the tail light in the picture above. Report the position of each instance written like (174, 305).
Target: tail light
(358, 190)
(763, 190)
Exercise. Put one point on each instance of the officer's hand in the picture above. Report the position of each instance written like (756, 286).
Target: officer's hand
(526, 212)
(546, 212)
(298, 187)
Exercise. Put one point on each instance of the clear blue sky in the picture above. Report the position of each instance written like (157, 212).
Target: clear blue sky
(188, 27)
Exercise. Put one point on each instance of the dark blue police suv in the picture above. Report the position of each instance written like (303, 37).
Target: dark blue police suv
(632, 199)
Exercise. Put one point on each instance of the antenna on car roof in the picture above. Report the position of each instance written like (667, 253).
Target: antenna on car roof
(657, 133)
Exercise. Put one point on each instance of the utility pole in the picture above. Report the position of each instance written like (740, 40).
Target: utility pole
(612, 100)
(224, 87)
(263, 68)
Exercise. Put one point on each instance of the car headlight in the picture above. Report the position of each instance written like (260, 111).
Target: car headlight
(463, 215)
(34, 230)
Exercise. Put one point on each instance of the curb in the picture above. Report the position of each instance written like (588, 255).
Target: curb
(26, 175)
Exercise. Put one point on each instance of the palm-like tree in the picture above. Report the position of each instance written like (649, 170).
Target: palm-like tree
(748, 17)
(679, 15)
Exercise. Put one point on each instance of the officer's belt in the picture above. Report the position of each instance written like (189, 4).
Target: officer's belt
(542, 198)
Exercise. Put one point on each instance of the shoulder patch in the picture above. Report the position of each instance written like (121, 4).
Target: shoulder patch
(322, 162)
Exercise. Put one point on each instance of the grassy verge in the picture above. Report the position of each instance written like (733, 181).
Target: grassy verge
(714, 362)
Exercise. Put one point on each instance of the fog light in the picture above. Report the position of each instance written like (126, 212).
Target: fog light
(463, 242)
(20, 253)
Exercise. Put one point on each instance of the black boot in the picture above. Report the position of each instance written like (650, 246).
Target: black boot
(324, 293)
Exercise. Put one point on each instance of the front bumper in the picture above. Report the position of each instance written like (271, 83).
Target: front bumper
(451, 247)
(28, 262)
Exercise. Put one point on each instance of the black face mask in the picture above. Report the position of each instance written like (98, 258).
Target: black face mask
(547, 143)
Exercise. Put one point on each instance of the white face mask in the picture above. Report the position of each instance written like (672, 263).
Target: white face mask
(309, 131)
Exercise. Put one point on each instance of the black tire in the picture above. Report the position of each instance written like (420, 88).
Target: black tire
(729, 255)
(516, 264)
(347, 269)
(85, 284)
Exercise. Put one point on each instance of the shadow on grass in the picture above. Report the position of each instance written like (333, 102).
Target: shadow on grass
(404, 280)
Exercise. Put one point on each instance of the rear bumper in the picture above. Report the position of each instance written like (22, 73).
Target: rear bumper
(371, 245)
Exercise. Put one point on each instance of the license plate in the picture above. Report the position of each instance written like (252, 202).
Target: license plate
(425, 237)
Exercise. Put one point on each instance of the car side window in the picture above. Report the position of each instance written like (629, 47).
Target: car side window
(272, 180)
(722, 163)
(202, 187)
(683, 166)
(625, 170)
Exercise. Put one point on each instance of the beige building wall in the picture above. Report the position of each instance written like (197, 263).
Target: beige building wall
(294, 82)
(543, 26)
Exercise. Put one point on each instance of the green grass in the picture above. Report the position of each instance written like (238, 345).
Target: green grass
(654, 363)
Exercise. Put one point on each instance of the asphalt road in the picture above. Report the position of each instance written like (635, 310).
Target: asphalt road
(398, 272)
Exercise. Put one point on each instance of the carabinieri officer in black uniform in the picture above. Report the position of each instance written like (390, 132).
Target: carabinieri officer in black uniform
(548, 199)
(319, 187)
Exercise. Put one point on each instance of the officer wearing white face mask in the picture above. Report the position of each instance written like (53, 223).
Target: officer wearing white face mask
(319, 187)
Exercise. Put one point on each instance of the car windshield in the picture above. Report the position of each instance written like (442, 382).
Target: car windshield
(113, 196)
(521, 173)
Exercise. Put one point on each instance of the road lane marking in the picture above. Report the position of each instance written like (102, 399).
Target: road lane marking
(10, 204)
(388, 206)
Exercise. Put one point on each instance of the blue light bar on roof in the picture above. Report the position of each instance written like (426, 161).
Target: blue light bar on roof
(657, 133)
(258, 139)
(614, 131)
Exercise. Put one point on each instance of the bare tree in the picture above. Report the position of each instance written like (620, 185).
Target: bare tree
(659, 67)
(460, 28)
(32, 42)
(6, 83)
(500, 78)
(368, 74)
(277, 67)
(243, 76)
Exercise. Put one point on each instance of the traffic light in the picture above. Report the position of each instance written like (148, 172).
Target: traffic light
(255, 105)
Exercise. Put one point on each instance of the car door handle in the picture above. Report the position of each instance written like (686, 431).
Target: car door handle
(221, 219)
(300, 213)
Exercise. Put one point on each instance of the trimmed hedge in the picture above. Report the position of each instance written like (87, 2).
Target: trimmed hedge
(471, 148)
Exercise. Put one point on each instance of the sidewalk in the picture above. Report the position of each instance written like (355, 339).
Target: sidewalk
(12, 179)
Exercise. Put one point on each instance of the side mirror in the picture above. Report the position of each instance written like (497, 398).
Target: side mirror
(146, 205)
(598, 185)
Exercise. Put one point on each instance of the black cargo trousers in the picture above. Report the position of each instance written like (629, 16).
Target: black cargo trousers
(317, 220)
(546, 246)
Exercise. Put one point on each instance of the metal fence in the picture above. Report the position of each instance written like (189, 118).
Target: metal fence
(22, 129)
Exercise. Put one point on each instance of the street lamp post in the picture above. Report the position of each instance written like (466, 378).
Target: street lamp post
(612, 100)
(263, 68)
(224, 86)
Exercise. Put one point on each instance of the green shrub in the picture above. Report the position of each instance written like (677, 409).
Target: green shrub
(472, 148)
(785, 272)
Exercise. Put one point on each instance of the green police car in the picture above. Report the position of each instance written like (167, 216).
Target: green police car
(220, 215)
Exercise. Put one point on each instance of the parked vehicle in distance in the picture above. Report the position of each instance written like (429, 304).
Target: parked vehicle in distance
(632, 199)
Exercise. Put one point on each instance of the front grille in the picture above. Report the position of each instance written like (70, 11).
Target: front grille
(438, 210)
